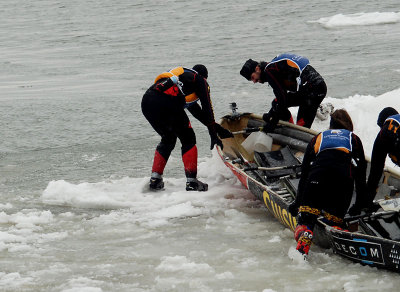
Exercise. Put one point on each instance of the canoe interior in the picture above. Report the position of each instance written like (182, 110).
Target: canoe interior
(370, 240)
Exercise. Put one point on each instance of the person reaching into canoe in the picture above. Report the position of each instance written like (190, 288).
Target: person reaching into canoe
(164, 105)
(294, 83)
(387, 143)
(334, 160)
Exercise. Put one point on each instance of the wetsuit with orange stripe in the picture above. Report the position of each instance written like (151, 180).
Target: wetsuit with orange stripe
(163, 106)
(387, 142)
(295, 83)
(333, 162)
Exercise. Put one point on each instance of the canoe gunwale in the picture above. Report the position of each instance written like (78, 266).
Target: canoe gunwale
(356, 246)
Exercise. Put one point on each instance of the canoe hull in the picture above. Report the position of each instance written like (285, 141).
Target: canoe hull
(365, 249)
(356, 246)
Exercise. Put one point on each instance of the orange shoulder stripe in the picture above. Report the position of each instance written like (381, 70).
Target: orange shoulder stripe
(176, 71)
(317, 144)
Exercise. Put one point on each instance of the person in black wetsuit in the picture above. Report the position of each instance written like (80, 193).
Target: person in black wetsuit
(387, 142)
(334, 160)
(294, 82)
(164, 105)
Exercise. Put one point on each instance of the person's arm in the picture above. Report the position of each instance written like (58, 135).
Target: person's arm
(359, 166)
(279, 103)
(282, 79)
(379, 152)
(202, 91)
(309, 156)
(198, 113)
(207, 114)
(274, 79)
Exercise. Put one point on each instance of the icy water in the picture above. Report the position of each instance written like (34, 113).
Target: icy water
(76, 152)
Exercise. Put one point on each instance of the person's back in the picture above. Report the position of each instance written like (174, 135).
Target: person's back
(294, 83)
(333, 151)
(333, 161)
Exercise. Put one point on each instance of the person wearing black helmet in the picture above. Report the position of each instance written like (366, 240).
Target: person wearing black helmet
(163, 105)
(294, 83)
(387, 142)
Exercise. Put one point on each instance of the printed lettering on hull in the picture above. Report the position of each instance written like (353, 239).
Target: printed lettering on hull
(361, 249)
(279, 211)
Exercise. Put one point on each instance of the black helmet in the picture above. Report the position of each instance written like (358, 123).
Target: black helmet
(384, 114)
(201, 69)
(248, 68)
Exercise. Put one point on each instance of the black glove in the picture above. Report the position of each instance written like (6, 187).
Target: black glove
(372, 207)
(270, 119)
(293, 208)
(222, 132)
(369, 208)
(354, 210)
(268, 128)
(214, 138)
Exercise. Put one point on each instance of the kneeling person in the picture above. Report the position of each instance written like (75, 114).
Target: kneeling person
(333, 162)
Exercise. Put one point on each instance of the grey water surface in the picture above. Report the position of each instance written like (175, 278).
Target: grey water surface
(72, 74)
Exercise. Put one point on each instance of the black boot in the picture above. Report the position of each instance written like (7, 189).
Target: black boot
(196, 185)
(156, 184)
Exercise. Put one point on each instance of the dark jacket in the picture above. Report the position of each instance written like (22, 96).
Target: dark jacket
(387, 142)
(191, 88)
(331, 167)
(283, 80)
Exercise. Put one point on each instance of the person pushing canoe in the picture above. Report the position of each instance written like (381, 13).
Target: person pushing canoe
(333, 163)
(294, 83)
(164, 105)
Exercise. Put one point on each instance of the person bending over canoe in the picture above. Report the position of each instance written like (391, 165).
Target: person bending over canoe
(294, 82)
(164, 105)
(387, 142)
(334, 160)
